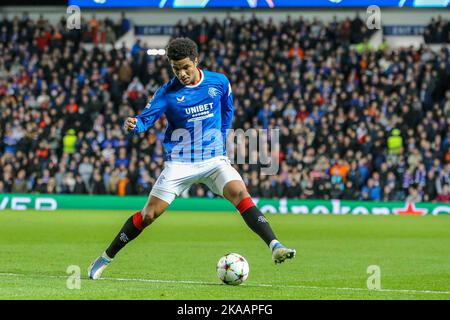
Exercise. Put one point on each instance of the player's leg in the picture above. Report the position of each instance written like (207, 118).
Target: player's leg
(224, 180)
(130, 230)
(171, 182)
(236, 192)
(136, 223)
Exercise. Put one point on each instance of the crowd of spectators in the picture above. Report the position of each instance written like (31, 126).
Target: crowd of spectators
(437, 31)
(369, 125)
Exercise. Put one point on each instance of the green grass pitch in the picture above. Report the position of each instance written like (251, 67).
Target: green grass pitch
(176, 257)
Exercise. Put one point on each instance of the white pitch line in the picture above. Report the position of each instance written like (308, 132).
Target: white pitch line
(246, 285)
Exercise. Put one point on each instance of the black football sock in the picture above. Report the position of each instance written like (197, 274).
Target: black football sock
(130, 230)
(256, 221)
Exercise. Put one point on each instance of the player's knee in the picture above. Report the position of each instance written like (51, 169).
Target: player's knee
(149, 215)
(238, 194)
(148, 218)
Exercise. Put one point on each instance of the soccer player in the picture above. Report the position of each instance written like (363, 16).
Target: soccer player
(193, 101)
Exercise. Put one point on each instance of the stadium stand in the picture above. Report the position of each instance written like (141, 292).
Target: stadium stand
(438, 31)
(355, 123)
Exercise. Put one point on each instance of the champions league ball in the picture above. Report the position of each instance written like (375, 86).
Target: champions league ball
(232, 269)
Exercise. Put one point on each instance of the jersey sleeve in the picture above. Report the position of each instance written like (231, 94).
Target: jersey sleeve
(227, 106)
(152, 112)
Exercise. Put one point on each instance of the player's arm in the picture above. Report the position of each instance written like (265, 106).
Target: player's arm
(152, 112)
(227, 107)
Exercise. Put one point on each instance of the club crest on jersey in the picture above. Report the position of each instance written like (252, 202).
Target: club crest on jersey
(179, 100)
(213, 92)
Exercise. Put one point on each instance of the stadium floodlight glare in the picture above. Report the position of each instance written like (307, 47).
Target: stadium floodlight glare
(156, 52)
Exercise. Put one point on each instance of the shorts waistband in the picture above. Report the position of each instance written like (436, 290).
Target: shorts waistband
(198, 162)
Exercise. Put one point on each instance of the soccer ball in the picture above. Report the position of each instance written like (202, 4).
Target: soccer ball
(232, 269)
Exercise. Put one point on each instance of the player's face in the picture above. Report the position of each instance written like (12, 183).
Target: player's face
(185, 70)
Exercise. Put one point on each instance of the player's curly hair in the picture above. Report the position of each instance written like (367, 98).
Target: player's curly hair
(180, 48)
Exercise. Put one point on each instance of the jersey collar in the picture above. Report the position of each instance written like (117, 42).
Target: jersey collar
(202, 76)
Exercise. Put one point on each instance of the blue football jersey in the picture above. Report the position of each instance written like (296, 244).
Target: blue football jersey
(198, 117)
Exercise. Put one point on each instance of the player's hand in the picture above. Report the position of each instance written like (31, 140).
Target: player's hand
(130, 124)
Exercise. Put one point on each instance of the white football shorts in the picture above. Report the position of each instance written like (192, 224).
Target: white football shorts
(176, 177)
